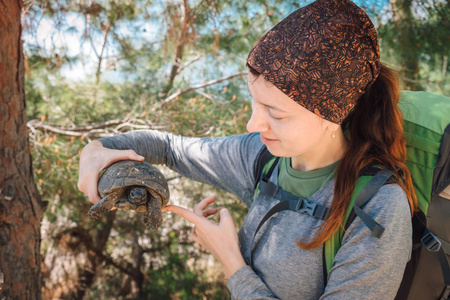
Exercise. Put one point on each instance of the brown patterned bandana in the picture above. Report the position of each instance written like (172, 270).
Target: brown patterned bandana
(322, 56)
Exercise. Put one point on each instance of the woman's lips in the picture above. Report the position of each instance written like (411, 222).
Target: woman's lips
(267, 141)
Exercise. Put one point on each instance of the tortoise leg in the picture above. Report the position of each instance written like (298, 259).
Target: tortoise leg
(153, 217)
(101, 207)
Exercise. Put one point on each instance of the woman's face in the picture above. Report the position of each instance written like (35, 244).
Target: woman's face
(286, 128)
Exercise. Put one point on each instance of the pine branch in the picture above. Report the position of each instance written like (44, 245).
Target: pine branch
(198, 86)
(93, 130)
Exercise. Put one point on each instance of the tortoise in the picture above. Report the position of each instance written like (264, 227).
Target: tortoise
(132, 185)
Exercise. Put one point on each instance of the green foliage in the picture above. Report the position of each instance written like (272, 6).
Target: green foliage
(55, 162)
(177, 279)
(419, 46)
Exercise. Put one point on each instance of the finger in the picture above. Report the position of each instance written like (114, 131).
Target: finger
(125, 154)
(94, 197)
(226, 220)
(91, 189)
(118, 155)
(209, 212)
(203, 204)
(185, 213)
(81, 184)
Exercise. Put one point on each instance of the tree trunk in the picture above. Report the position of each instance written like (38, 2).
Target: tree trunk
(403, 19)
(20, 205)
(181, 43)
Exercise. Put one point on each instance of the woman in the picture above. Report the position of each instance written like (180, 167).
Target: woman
(324, 103)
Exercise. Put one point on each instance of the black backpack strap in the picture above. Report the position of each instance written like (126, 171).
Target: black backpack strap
(291, 201)
(369, 190)
(272, 167)
(264, 156)
(434, 244)
(288, 202)
(380, 178)
(367, 193)
(368, 170)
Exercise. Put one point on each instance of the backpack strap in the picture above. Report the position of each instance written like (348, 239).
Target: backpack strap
(288, 201)
(365, 195)
(440, 247)
(366, 187)
(264, 156)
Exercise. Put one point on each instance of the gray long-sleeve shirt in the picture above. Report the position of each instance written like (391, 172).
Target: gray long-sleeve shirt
(364, 267)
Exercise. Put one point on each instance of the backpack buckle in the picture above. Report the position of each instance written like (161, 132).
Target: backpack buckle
(306, 206)
(431, 242)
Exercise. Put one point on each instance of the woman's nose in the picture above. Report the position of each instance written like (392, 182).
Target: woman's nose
(257, 122)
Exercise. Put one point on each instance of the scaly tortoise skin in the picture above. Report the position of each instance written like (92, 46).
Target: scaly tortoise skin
(132, 185)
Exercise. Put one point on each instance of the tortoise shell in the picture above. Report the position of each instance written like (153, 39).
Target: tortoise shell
(127, 173)
(125, 179)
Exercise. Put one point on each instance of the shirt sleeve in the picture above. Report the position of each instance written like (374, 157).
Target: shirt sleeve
(369, 268)
(223, 162)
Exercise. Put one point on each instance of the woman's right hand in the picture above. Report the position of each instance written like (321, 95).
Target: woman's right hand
(95, 158)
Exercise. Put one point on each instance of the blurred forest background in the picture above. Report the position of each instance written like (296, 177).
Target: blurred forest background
(98, 68)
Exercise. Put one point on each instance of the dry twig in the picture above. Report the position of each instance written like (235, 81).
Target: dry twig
(102, 129)
(198, 86)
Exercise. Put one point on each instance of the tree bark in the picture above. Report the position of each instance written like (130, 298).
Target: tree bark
(20, 205)
(181, 43)
(403, 19)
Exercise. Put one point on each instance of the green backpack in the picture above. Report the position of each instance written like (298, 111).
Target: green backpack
(427, 130)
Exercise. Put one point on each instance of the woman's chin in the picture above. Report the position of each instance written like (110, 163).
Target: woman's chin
(275, 151)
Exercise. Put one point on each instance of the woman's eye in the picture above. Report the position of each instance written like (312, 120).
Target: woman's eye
(274, 117)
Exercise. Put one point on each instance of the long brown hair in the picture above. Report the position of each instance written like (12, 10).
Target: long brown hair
(375, 133)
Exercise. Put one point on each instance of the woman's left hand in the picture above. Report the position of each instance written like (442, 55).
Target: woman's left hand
(218, 238)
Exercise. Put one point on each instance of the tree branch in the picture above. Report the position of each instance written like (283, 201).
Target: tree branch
(190, 62)
(198, 86)
(88, 241)
(206, 96)
(93, 130)
(181, 42)
(100, 58)
(107, 259)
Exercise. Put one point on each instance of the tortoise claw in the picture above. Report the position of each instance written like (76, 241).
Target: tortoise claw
(101, 207)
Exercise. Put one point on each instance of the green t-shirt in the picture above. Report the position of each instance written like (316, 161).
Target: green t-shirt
(303, 183)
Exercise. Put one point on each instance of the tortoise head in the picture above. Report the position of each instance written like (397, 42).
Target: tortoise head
(134, 198)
